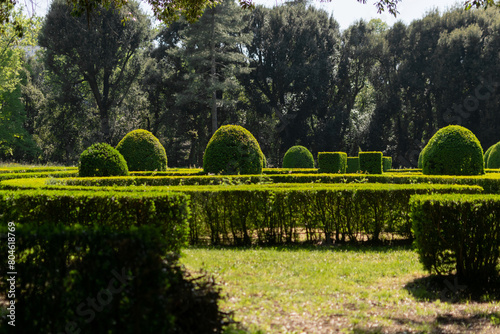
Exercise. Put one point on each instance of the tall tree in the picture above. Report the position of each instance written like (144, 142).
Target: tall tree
(213, 51)
(192, 83)
(104, 53)
(294, 55)
(15, 141)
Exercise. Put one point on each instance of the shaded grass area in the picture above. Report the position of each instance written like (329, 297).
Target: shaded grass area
(343, 289)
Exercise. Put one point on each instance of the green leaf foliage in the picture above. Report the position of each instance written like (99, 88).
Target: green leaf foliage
(387, 163)
(494, 156)
(143, 151)
(117, 210)
(298, 157)
(458, 234)
(487, 155)
(332, 162)
(233, 150)
(96, 279)
(453, 150)
(370, 162)
(239, 214)
(352, 165)
(102, 160)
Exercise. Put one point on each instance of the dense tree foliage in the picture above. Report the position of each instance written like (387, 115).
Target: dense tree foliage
(15, 140)
(287, 74)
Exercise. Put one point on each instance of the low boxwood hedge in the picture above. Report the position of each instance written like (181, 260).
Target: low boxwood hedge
(332, 162)
(168, 212)
(370, 162)
(458, 234)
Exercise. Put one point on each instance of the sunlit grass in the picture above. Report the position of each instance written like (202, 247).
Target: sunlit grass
(332, 289)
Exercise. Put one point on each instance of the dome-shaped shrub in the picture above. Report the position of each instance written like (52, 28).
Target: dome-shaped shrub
(487, 155)
(298, 157)
(453, 150)
(102, 159)
(494, 157)
(233, 150)
(420, 162)
(143, 151)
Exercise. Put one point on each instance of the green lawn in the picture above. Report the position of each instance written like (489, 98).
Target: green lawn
(339, 289)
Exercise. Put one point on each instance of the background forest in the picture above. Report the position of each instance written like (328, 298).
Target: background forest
(287, 74)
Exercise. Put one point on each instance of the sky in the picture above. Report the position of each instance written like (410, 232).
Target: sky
(346, 12)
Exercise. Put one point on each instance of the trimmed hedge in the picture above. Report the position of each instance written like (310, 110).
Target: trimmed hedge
(168, 212)
(494, 157)
(35, 169)
(453, 150)
(387, 163)
(298, 157)
(370, 162)
(29, 175)
(332, 162)
(98, 280)
(143, 151)
(490, 182)
(487, 154)
(274, 214)
(458, 234)
(233, 150)
(102, 160)
(352, 165)
(420, 162)
(236, 214)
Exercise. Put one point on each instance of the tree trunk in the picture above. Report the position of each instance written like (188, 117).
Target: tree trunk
(213, 75)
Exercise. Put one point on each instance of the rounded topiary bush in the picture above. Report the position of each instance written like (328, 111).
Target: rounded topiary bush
(453, 150)
(298, 157)
(494, 157)
(102, 160)
(143, 151)
(487, 154)
(233, 150)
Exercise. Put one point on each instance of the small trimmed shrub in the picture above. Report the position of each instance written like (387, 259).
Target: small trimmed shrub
(102, 160)
(453, 150)
(298, 157)
(352, 165)
(143, 151)
(494, 157)
(233, 150)
(370, 162)
(487, 155)
(332, 162)
(387, 163)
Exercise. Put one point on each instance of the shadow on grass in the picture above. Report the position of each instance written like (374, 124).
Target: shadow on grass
(450, 289)
(365, 247)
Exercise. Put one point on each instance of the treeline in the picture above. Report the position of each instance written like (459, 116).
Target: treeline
(287, 74)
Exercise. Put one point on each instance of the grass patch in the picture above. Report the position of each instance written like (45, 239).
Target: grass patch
(318, 289)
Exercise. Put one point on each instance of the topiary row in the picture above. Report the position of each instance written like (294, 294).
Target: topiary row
(139, 150)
